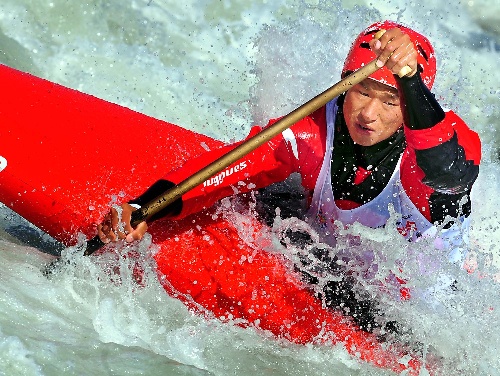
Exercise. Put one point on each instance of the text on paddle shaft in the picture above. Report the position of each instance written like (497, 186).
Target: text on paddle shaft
(219, 178)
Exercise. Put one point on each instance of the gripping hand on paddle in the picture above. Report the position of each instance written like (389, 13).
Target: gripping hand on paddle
(116, 225)
(396, 51)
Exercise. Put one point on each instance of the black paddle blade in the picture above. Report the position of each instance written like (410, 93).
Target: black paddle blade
(93, 245)
(55, 266)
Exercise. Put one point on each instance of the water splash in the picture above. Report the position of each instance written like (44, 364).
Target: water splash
(168, 59)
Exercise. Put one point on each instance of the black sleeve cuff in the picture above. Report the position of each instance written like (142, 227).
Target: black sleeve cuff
(156, 190)
(422, 110)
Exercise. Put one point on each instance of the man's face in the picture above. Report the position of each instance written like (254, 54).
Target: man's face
(372, 112)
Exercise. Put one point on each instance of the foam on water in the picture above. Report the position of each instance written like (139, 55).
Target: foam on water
(218, 67)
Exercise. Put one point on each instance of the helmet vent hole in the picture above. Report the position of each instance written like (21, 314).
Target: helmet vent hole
(422, 52)
(371, 32)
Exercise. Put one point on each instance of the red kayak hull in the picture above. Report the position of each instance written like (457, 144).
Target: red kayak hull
(66, 156)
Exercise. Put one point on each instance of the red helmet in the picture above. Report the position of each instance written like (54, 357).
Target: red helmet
(361, 54)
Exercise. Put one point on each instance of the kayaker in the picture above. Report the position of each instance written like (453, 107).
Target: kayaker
(386, 143)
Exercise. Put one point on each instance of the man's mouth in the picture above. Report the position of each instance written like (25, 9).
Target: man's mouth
(365, 128)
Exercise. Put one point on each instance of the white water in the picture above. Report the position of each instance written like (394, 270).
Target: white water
(218, 67)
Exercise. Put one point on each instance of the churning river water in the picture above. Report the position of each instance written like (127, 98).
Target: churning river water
(217, 67)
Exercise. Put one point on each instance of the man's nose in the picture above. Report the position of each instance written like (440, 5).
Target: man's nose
(370, 111)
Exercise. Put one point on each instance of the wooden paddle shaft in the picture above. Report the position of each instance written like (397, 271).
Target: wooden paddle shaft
(176, 192)
(252, 143)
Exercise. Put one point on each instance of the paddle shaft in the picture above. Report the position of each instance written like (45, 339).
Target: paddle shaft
(176, 192)
(254, 142)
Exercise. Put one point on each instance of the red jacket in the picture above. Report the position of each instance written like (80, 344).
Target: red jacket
(457, 146)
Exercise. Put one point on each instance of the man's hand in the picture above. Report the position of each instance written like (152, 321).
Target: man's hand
(116, 225)
(396, 51)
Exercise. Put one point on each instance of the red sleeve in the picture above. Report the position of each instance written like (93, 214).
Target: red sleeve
(444, 131)
(299, 149)
(441, 160)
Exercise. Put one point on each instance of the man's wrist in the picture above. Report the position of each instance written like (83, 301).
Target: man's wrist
(422, 110)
